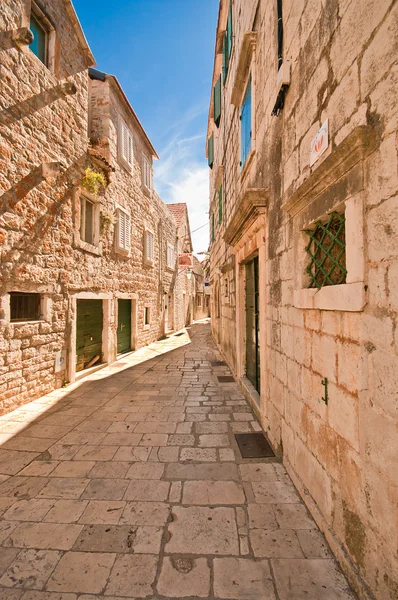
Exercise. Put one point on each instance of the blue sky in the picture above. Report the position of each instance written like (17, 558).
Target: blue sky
(162, 53)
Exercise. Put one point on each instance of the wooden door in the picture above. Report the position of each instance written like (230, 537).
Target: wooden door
(252, 324)
(89, 325)
(124, 326)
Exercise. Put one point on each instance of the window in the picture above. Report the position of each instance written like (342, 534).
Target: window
(327, 251)
(217, 102)
(227, 44)
(147, 316)
(246, 123)
(226, 288)
(170, 256)
(123, 231)
(210, 151)
(213, 237)
(39, 44)
(87, 220)
(149, 246)
(125, 144)
(220, 207)
(24, 306)
(147, 168)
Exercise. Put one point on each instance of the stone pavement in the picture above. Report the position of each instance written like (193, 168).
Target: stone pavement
(130, 484)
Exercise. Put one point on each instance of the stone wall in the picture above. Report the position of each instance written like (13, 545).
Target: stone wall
(43, 139)
(342, 456)
(44, 151)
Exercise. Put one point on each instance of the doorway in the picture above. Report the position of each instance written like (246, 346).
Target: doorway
(252, 324)
(89, 325)
(169, 313)
(123, 326)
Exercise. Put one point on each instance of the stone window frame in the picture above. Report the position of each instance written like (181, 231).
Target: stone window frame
(120, 249)
(51, 39)
(96, 247)
(349, 296)
(246, 68)
(46, 305)
(335, 184)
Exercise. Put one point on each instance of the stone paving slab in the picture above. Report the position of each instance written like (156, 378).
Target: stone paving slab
(129, 485)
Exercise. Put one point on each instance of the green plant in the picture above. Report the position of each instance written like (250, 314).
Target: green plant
(93, 181)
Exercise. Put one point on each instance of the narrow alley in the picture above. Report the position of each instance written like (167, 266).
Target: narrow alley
(130, 484)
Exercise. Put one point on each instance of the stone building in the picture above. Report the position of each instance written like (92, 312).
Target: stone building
(89, 252)
(302, 147)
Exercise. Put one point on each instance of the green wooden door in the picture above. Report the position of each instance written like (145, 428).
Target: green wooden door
(252, 324)
(88, 333)
(124, 326)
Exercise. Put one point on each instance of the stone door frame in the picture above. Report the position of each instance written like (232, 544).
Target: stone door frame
(108, 339)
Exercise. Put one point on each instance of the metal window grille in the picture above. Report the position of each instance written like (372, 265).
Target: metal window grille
(327, 252)
(24, 306)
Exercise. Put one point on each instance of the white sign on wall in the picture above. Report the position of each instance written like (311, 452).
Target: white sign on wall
(60, 361)
(320, 143)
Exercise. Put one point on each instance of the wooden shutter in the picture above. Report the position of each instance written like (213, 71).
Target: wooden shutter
(123, 230)
(149, 246)
(210, 150)
(229, 32)
(126, 143)
(246, 123)
(217, 102)
(225, 57)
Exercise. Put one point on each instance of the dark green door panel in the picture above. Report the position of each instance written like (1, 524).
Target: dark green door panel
(252, 324)
(124, 326)
(89, 325)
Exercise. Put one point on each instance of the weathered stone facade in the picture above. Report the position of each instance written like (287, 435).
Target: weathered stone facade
(48, 112)
(341, 59)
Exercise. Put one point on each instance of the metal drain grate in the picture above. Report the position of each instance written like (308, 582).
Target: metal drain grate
(225, 379)
(253, 445)
(218, 363)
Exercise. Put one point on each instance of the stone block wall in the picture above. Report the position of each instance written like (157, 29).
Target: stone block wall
(44, 150)
(43, 141)
(343, 58)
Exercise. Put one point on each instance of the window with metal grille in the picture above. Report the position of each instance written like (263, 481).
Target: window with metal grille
(327, 251)
(24, 306)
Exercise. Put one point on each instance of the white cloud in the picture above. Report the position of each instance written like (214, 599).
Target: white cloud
(181, 175)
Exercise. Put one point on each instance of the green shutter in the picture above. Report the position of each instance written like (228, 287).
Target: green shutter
(225, 57)
(220, 205)
(210, 150)
(229, 32)
(213, 237)
(217, 102)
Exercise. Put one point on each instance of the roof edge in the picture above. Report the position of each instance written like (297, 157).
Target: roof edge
(115, 80)
(70, 9)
